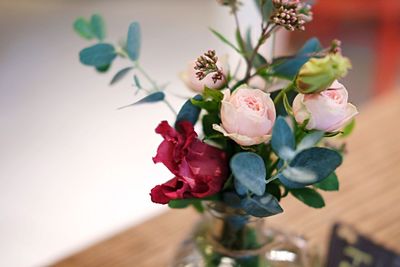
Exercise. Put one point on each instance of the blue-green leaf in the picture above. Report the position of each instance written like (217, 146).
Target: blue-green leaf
(310, 166)
(282, 141)
(288, 68)
(231, 199)
(310, 140)
(83, 28)
(330, 183)
(152, 98)
(261, 206)
(249, 169)
(98, 55)
(309, 197)
(266, 7)
(120, 74)
(189, 112)
(98, 27)
(133, 41)
(239, 188)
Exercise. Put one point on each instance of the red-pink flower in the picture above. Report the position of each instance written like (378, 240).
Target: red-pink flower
(200, 170)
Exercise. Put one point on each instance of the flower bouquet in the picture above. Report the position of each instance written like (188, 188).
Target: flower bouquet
(265, 131)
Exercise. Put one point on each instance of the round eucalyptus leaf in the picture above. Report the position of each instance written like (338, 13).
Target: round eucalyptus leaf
(261, 206)
(310, 166)
(133, 41)
(98, 55)
(282, 140)
(249, 169)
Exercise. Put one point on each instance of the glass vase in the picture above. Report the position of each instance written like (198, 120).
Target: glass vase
(225, 237)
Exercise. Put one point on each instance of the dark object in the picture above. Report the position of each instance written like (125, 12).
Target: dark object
(350, 249)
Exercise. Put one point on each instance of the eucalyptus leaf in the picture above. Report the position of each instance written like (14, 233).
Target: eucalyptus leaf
(133, 41)
(330, 183)
(310, 140)
(152, 98)
(98, 55)
(261, 206)
(137, 82)
(289, 67)
(310, 166)
(282, 141)
(249, 169)
(83, 28)
(231, 199)
(120, 75)
(309, 197)
(98, 27)
(240, 188)
(189, 112)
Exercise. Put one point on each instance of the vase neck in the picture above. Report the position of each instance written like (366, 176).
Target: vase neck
(232, 230)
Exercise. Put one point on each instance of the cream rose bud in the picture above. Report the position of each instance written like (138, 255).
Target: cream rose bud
(327, 111)
(191, 81)
(247, 116)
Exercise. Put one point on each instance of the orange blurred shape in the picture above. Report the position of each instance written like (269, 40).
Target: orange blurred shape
(387, 43)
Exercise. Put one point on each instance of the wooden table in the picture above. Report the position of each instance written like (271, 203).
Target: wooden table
(369, 199)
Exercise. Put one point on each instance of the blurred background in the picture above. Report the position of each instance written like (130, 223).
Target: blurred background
(73, 169)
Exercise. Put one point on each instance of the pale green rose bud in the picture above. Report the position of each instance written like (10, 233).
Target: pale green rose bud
(319, 73)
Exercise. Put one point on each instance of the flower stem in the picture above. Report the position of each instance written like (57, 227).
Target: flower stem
(282, 92)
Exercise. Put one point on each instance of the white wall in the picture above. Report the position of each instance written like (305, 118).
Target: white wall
(73, 170)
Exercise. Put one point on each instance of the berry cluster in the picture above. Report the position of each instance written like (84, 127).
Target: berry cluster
(206, 64)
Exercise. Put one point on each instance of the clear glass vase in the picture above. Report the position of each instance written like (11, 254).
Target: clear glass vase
(225, 237)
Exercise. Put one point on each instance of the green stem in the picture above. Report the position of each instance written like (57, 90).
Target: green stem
(154, 85)
(282, 92)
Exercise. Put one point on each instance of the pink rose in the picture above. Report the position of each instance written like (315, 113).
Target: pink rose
(200, 170)
(247, 116)
(191, 81)
(327, 111)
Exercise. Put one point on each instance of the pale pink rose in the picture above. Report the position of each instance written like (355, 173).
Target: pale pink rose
(247, 116)
(327, 111)
(191, 81)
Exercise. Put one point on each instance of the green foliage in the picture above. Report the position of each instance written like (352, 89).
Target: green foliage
(184, 203)
(288, 67)
(274, 189)
(83, 28)
(349, 128)
(120, 75)
(309, 196)
(282, 141)
(189, 112)
(330, 183)
(310, 166)
(208, 121)
(211, 100)
(98, 55)
(98, 27)
(225, 40)
(249, 169)
(261, 206)
(259, 60)
(133, 41)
